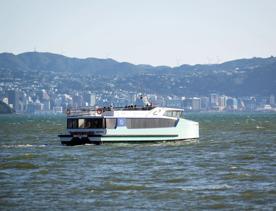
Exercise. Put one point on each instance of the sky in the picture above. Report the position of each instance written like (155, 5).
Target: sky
(156, 32)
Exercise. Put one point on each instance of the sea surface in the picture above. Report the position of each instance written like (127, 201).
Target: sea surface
(232, 166)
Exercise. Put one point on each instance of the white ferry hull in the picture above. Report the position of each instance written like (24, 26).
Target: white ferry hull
(184, 130)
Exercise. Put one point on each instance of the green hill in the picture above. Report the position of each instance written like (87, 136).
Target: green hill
(242, 77)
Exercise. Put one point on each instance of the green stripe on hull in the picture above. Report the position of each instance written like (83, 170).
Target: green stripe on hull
(133, 138)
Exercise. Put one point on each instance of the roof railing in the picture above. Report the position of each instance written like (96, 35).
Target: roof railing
(76, 111)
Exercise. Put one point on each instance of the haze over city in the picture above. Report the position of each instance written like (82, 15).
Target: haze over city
(141, 32)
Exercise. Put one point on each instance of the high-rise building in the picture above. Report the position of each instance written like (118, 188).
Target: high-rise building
(235, 103)
(77, 100)
(57, 109)
(187, 104)
(47, 105)
(42, 95)
(222, 102)
(231, 104)
(214, 100)
(204, 103)
(196, 104)
(90, 99)
(93, 99)
(13, 97)
(38, 106)
(174, 103)
(30, 107)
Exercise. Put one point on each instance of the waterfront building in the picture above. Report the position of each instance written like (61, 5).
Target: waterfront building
(214, 98)
(47, 105)
(248, 103)
(196, 104)
(38, 106)
(187, 104)
(235, 103)
(231, 104)
(77, 100)
(93, 99)
(222, 102)
(13, 98)
(43, 95)
(30, 107)
(89, 99)
(57, 109)
(174, 103)
(204, 103)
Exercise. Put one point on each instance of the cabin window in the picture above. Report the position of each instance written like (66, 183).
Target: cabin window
(85, 123)
(72, 123)
(81, 123)
(175, 114)
(110, 123)
(94, 123)
(150, 123)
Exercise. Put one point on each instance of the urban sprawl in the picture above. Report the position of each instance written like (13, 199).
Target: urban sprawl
(52, 101)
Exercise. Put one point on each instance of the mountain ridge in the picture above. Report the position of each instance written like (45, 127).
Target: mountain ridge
(234, 61)
(253, 76)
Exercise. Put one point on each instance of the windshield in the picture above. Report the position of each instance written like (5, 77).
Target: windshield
(173, 113)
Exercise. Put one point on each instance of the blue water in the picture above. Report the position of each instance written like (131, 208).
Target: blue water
(232, 166)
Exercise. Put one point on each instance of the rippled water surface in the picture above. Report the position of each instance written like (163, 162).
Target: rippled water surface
(232, 166)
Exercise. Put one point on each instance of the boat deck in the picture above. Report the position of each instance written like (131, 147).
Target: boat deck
(83, 111)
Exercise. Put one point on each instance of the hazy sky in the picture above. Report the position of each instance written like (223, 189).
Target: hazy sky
(157, 32)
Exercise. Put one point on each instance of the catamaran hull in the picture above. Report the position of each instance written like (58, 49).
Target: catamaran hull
(185, 130)
(100, 140)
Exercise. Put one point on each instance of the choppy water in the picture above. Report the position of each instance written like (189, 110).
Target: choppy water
(232, 166)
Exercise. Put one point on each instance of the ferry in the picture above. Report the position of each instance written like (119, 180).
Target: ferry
(130, 124)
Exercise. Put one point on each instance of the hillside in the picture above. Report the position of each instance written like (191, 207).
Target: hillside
(255, 76)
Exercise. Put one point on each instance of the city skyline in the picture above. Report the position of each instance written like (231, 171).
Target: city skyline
(41, 101)
(36, 81)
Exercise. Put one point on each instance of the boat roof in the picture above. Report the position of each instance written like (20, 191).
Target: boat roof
(127, 111)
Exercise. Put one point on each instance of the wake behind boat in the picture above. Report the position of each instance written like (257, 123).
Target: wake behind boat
(130, 124)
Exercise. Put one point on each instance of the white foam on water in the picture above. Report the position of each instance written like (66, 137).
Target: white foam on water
(22, 145)
(207, 187)
(174, 143)
(233, 167)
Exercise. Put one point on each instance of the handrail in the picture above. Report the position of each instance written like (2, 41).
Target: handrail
(89, 110)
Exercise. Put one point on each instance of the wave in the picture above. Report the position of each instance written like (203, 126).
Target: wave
(207, 187)
(18, 165)
(22, 145)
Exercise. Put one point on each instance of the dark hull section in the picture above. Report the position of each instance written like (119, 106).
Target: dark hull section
(85, 140)
(78, 141)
